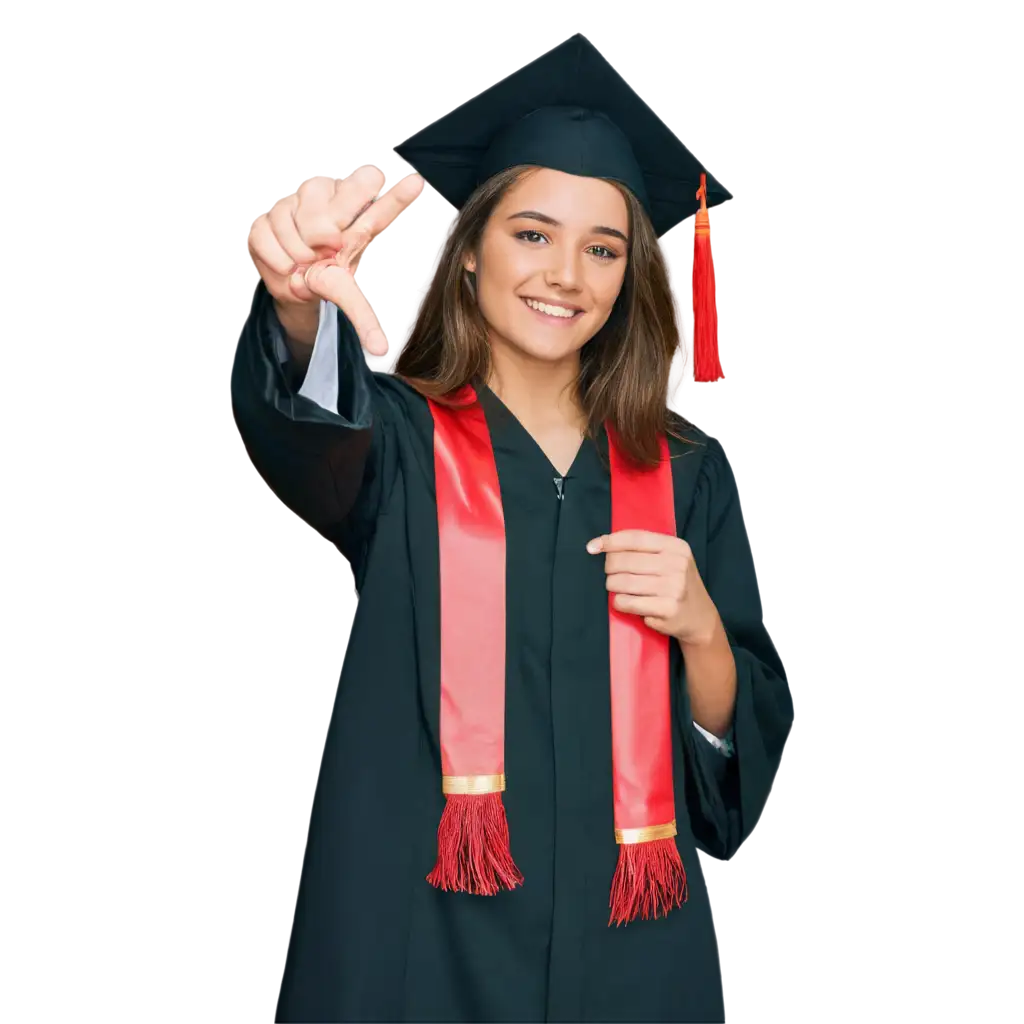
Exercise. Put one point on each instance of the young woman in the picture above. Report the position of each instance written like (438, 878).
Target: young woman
(544, 710)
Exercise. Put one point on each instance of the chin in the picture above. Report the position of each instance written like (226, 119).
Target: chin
(540, 350)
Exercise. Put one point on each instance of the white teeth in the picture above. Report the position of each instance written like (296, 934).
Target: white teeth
(551, 310)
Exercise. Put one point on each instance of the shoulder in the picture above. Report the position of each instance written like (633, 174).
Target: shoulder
(400, 401)
(405, 415)
(398, 389)
(700, 469)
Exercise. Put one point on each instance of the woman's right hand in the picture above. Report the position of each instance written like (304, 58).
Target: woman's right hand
(308, 246)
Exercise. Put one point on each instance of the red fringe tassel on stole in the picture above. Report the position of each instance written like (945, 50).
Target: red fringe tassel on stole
(649, 879)
(473, 853)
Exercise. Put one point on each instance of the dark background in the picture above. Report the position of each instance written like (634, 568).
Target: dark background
(168, 638)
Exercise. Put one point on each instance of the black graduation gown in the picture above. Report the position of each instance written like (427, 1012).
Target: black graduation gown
(371, 938)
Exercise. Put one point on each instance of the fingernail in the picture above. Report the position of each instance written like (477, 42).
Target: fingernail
(594, 545)
(376, 342)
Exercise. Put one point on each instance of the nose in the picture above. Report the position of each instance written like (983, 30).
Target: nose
(564, 271)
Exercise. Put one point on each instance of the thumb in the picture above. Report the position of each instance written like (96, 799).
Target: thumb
(312, 277)
(335, 283)
(299, 287)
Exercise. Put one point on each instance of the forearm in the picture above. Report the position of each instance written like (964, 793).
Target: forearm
(711, 680)
(300, 327)
(312, 455)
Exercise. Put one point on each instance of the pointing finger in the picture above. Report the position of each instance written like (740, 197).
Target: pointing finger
(379, 214)
(631, 540)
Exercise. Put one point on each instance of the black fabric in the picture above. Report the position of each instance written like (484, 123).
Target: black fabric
(371, 939)
(570, 110)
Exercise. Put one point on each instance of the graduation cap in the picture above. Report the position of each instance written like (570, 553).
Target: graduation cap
(570, 110)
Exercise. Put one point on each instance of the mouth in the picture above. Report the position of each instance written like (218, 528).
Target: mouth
(552, 318)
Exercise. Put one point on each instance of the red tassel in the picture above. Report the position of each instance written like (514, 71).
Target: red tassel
(649, 878)
(473, 852)
(705, 316)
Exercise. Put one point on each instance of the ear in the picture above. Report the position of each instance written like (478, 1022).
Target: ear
(469, 263)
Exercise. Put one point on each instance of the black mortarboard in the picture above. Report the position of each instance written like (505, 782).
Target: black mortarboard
(572, 111)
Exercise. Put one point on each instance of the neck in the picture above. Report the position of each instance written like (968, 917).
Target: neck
(540, 393)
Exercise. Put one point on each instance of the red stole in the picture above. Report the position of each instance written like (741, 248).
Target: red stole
(474, 853)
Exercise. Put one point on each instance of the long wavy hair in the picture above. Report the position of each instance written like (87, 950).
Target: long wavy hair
(624, 368)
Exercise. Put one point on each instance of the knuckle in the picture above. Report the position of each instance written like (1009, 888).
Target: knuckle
(262, 234)
(322, 271)
(317, 270)
(258, 226)
(279, 219)
(281, 206)
(319, 230)
(321, 281)
(370, 173)
(317, 184)
(358, 238)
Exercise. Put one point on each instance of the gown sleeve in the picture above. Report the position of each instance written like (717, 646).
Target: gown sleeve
(726, 795)
(322, 440)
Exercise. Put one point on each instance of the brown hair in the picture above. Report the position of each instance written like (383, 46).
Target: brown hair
(624, 367)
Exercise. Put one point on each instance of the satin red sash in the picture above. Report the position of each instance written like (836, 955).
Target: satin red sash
(641, 721)
(473, 838)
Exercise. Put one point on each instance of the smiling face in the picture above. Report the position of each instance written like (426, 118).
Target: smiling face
(555, 241)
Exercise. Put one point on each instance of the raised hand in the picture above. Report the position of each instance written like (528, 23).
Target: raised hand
(308, 246)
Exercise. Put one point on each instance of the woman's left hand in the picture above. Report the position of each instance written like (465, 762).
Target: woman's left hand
(655, 575)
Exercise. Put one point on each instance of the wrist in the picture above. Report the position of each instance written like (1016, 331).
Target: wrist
(300, 323)
(702, 638)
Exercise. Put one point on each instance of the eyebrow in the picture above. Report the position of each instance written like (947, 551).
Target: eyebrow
(598, 229)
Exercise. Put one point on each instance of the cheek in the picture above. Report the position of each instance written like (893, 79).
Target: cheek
(496, 274)
(509, 267)
(606, 291)
(507, 272)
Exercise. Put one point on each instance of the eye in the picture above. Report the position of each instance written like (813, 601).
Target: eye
(608, 254)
